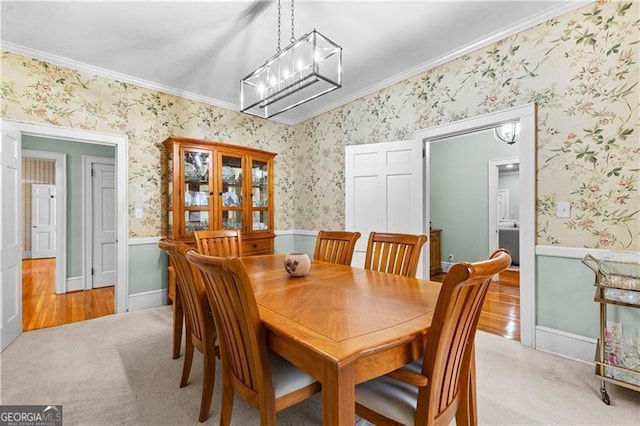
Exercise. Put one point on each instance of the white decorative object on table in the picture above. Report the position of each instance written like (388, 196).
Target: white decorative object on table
(297, 264)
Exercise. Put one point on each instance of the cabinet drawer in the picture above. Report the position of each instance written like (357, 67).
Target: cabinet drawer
(258, 246)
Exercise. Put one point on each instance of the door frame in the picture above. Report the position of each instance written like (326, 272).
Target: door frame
(87, 214)
(493, 175)
(121, 144)
(61, 210)
(526, 115)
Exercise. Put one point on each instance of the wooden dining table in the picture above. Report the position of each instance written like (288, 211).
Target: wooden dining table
(343, 325)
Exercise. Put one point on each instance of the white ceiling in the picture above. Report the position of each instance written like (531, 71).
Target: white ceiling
(202, 49)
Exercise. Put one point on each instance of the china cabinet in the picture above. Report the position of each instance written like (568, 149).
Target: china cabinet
(213, 185)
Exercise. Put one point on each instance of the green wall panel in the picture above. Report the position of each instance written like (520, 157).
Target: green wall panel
(147, 268)
(565, 292)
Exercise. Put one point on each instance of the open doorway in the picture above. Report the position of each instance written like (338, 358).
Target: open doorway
(12, 134)
(465, 205)
(56, 288)
(525, 116)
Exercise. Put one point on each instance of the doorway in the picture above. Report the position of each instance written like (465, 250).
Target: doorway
(48, 300)
(12, 135)
(525, 115)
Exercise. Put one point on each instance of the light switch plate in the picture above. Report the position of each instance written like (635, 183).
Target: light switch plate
(137, 213)
(563, 209)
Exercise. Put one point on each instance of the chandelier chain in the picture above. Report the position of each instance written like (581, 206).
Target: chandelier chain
(293, 37)
(279, 14)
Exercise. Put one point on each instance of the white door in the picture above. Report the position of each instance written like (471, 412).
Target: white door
(104, 225)
(43, 221)
(10, 263)
(384, 191)
(503, 197)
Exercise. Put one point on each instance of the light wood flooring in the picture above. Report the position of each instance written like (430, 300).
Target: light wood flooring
(42, 307)
(501, 309)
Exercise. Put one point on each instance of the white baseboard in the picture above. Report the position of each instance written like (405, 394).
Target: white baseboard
(569, 345)
(147, 299)
(26, 255)
(75, 283)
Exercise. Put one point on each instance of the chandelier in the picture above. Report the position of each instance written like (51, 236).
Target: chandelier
(309, 67)
(508, 133)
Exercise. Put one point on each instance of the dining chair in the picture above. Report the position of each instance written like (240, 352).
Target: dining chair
(429, 391)
(264, 379)
(200, 328)
(394, 253)
(223, 242)
(335, 246)
(213, 243)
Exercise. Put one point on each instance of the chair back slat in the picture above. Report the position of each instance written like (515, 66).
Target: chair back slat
(220, 243)
(335, 246)
(449, 350)
(397, 254)
(194, 297)
(240, 332)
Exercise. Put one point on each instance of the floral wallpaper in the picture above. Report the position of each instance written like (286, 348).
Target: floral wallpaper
(581, 69)
(37, 91)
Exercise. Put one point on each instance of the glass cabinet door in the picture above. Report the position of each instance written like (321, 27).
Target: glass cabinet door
(259, 195)
(231, 194)
(197, 192)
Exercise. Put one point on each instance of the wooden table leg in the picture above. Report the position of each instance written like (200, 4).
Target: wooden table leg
(339, 397)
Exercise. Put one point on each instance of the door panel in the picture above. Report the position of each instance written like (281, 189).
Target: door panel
(104, 225)
(383, 190)
(43, 221)
(10, 264)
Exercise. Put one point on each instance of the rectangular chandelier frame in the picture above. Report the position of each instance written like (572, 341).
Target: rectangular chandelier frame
(309, 67)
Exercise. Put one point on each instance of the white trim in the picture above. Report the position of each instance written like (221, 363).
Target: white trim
(494, 177)
(113, 75)
(26, 255)
(484, 41)
(87, 214)
(297, 232)
(572, 252)
(121, 143)
(526, 115)
(569, 345)
(147, 299)
(61, 211)
(142, 241)
(75, 283)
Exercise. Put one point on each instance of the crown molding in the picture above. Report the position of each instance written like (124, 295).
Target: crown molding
(515, 28)
(113, 75)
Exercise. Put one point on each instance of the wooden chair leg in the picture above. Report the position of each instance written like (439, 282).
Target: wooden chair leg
(467, 414)
(226, 407)
(188, 359)
(208, 379)
(178, 320)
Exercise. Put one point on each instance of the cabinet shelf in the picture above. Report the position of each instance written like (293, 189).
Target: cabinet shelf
(617, 359)
(195, 181)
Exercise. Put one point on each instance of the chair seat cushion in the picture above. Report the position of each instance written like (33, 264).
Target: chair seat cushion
(391, 398)
(286, 377)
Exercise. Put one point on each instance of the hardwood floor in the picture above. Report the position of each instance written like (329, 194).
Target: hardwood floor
(42, 307)
(501, 309)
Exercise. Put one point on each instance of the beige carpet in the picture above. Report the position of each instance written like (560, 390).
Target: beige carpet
(118, 370)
